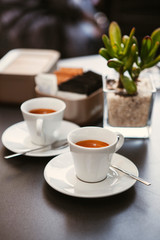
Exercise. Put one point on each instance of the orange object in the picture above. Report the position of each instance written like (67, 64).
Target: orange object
(64, 74)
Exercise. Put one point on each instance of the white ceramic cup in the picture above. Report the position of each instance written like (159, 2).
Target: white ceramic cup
(43, 128)
(92, 164)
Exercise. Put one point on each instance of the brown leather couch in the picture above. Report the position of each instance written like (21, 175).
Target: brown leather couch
(63, 25)
(71, 26)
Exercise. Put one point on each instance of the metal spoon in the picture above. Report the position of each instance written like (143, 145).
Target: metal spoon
(56, 145)
(132, 175)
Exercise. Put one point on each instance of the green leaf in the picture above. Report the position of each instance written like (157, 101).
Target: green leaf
(115, 34)
(129, 85)
(145, 48)
(152, 63)
(129, 42)
(104, 53)
(155, 36)
(115, 50)
(153, 51)
(131, 58)
(134, 39)
(107, 45)
(125, 39)
(115, 63)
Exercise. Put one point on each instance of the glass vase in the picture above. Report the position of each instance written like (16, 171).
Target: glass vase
(129, 115)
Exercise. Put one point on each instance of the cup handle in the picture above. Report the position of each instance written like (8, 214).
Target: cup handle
(39, 127)
(119, 142)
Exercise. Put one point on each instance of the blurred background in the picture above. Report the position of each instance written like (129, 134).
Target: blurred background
(73, 27)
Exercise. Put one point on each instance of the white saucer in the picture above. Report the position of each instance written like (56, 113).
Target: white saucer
(59, 174)
(17, 139)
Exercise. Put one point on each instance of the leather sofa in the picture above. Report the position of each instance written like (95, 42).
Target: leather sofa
(63, 25)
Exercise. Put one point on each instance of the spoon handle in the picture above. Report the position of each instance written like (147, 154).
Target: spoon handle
(56, 145)
(23, 153)
(132, 175)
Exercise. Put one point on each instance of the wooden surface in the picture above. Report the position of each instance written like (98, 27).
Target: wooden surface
(32, 210)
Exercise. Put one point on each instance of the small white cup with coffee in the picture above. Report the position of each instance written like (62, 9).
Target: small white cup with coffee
(43, 117)
(92, 149)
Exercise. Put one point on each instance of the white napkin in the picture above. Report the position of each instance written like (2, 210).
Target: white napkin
(47, 83)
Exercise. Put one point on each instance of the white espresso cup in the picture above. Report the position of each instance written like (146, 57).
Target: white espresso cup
(43, 128)
(92, 164)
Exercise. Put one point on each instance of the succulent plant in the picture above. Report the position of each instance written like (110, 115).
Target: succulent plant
(122, 53)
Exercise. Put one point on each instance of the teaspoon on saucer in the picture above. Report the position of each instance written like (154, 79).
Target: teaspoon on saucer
(56, 145)
(132, 175)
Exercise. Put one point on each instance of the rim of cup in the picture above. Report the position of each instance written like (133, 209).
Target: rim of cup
(94, 149)
(23, 105)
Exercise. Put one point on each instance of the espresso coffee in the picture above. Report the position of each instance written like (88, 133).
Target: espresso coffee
(92, 144)
(42, 111)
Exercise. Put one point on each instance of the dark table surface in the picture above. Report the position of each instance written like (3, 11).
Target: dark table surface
(31, 210)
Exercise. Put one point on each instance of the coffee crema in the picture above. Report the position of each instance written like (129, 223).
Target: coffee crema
(42, 111)
(92, 143)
